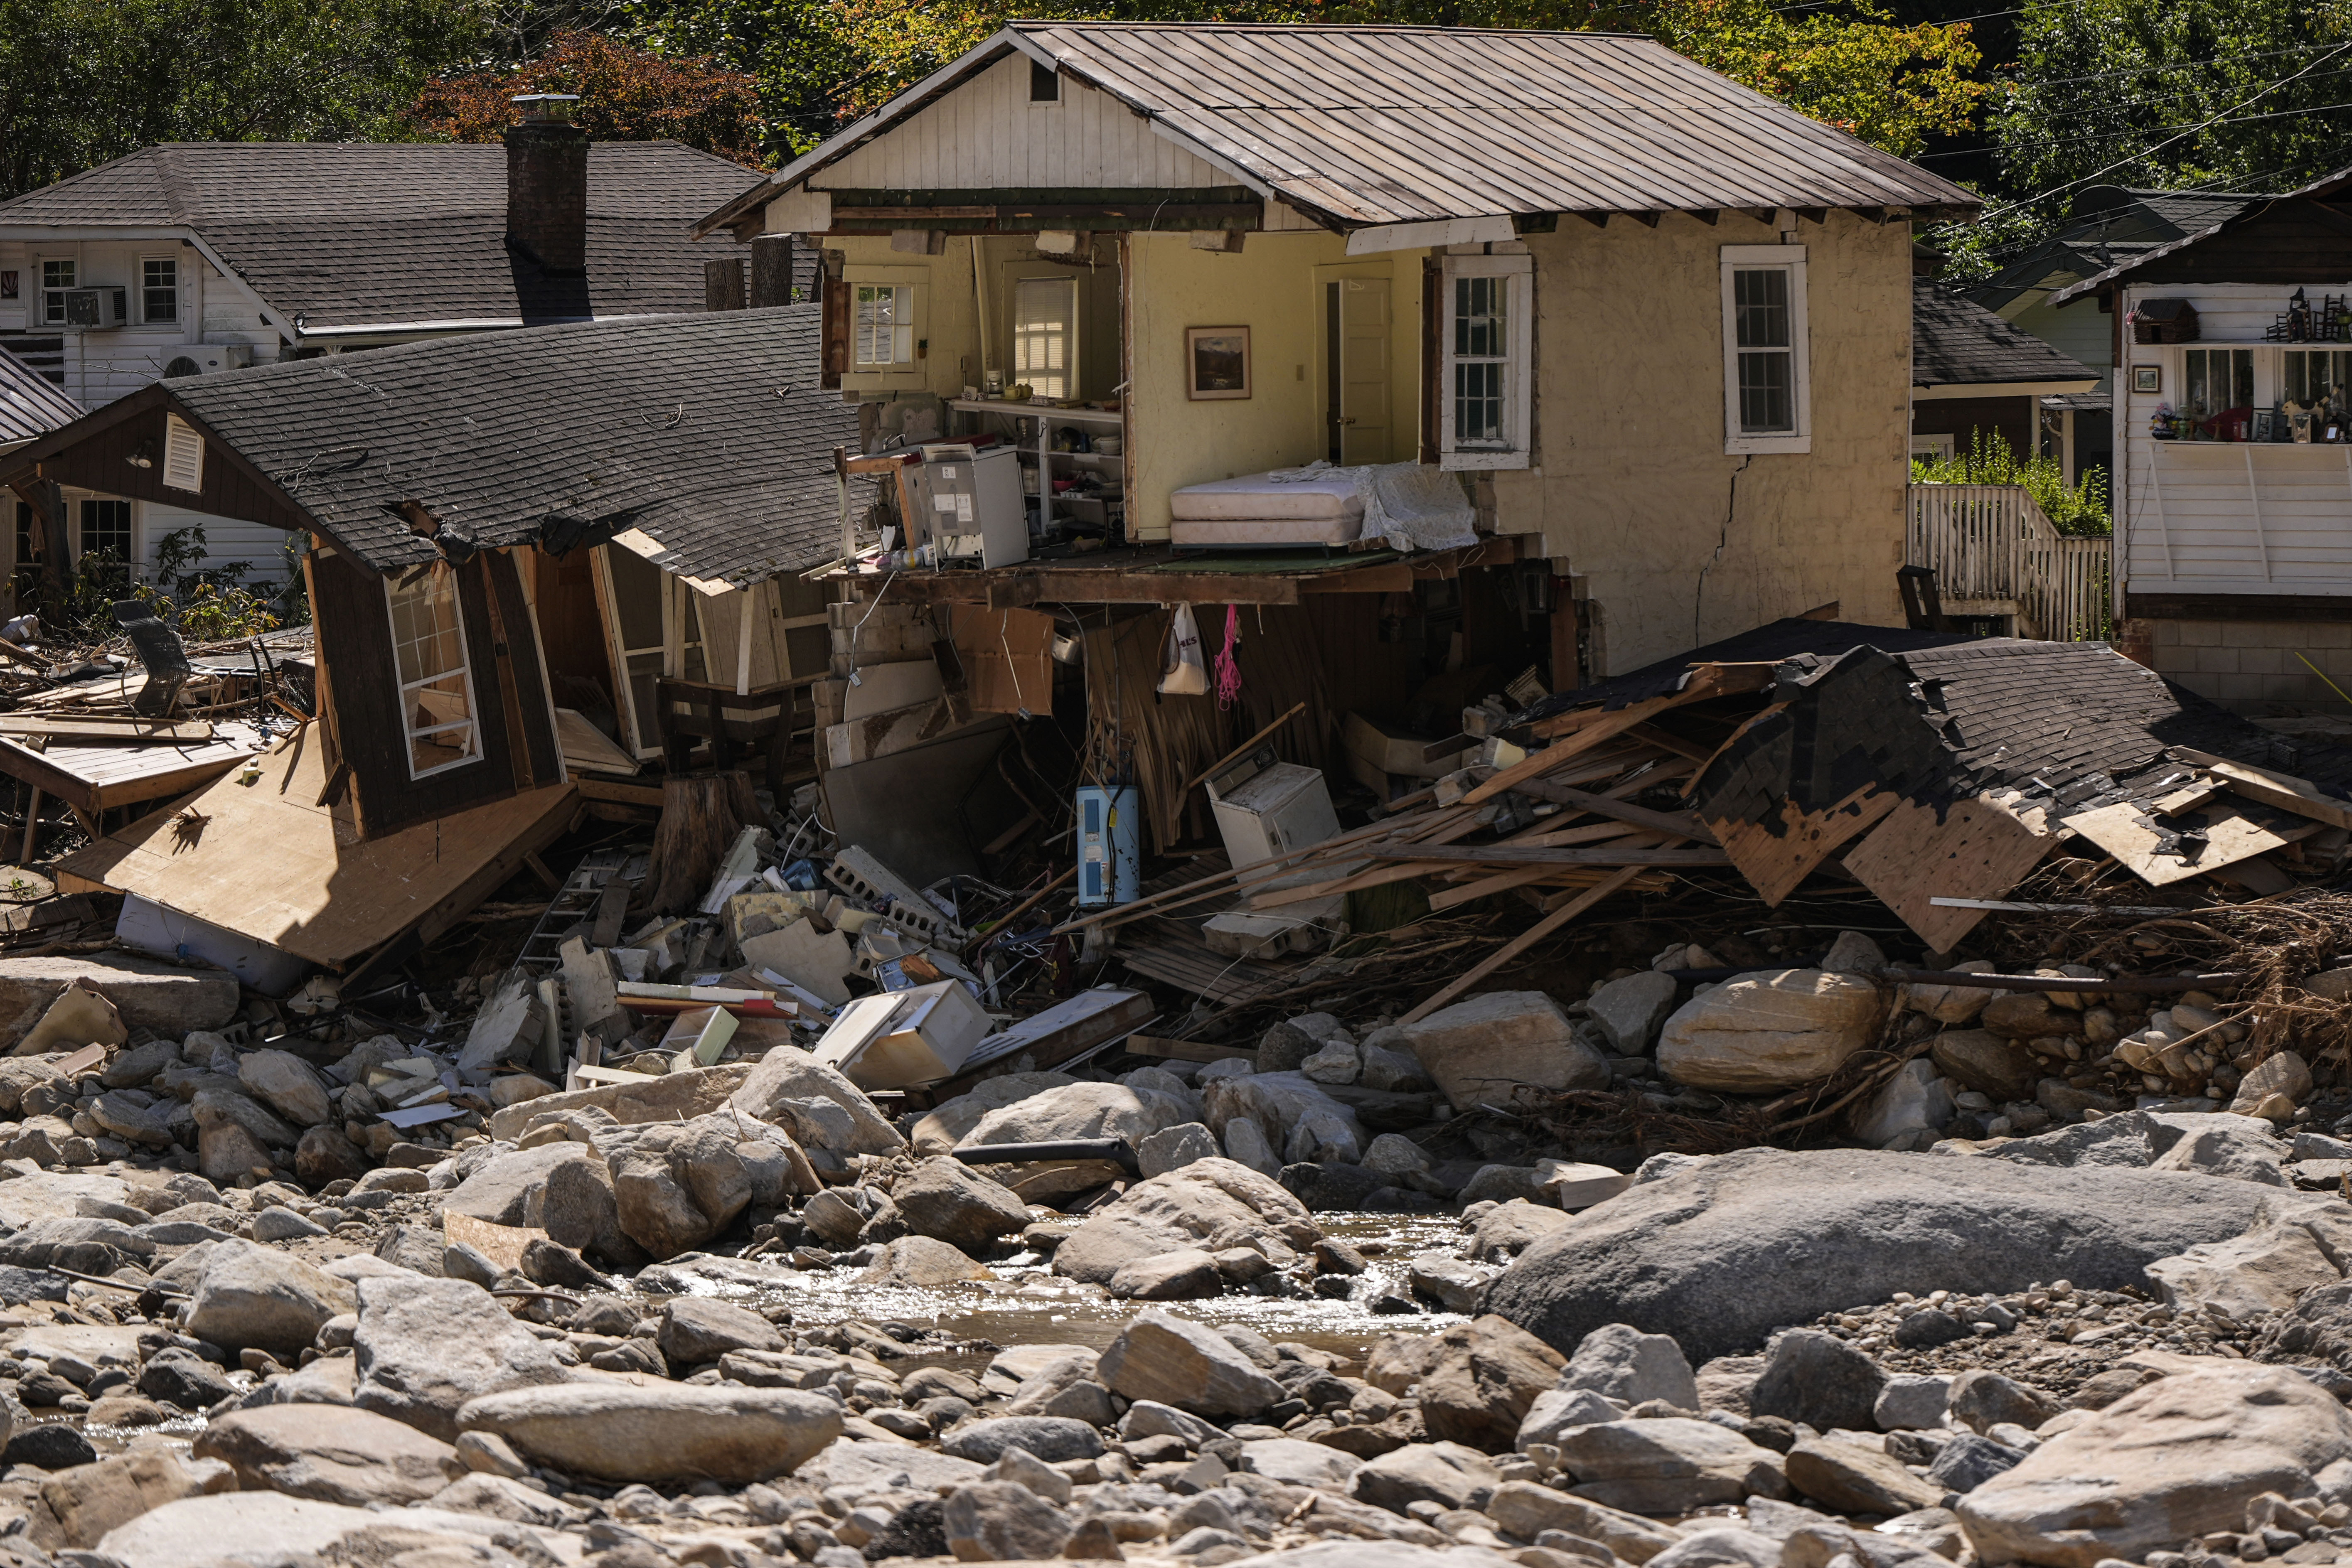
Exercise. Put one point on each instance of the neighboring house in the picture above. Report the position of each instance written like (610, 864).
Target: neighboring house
(30, 404)
(2233, 491)
(1974, 374)
(505, 536)
(1658, 323)
(192, 258)
(2108, 225)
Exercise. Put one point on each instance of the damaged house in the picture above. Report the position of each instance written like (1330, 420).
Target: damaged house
(521, 592)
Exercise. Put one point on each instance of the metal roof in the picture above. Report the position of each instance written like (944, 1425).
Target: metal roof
(30, 404)
(2325, 185)
(1363, 126)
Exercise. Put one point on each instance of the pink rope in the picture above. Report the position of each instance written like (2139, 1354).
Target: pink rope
(1229, 670)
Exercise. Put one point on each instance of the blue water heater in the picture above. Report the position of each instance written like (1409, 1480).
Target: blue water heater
(1111, 845)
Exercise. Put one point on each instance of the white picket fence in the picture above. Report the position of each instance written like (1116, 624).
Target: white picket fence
(1992, 542)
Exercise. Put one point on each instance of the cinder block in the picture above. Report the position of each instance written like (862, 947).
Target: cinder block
(2321, 634)
(2296, 688)
(2263, 661)
(2199, 633)
(2218, 661)
(2168, 633)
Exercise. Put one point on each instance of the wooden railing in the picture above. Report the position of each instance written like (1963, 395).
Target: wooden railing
(1992, 542)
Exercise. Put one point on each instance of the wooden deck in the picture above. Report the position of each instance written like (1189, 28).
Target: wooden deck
(93, 776)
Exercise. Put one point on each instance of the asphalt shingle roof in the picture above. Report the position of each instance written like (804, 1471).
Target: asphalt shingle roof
(1371, 125)
(355, 234)
(1955, 342)
(30, 404)
(708, 431)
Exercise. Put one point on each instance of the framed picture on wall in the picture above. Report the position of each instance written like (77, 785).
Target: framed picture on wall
(2147, 378)
(1217, 362)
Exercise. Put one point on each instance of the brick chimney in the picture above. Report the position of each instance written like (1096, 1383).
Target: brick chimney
(547, 185)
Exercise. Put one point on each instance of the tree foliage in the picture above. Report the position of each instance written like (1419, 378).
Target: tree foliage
(83, 82)
(627, 94)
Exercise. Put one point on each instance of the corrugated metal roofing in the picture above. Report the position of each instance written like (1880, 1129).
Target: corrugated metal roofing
(30, 404)
(1363, 126)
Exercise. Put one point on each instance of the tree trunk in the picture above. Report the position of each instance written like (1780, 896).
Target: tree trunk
(701, 817)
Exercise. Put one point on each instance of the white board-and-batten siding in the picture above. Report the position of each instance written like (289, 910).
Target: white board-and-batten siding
(2228, 517)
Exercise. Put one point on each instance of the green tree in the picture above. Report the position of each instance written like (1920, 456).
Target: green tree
(83, 82)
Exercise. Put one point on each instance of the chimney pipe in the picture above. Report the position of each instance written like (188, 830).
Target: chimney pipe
(547, 185)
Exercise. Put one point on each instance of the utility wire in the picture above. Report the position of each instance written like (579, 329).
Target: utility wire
(2120, 131)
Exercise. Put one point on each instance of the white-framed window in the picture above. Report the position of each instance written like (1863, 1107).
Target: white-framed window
(106, 530)
(2314, 375)
(2215, 380)
(159, 288)
(1766, 372)
(58, 274)
(882, 326)
(1045, 334)
(437, 683)
(1486, 371)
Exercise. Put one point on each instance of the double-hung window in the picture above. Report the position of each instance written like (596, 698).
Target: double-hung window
(159, 288)
(436, 684)
(1767, 374)
(2217, 380)
(1045, 334)
(882, 333)
(1485, 370)
(58, 274)
(106, 530)
(874, 317)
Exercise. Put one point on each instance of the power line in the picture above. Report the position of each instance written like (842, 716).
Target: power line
(2124, 131)
(2039, 83)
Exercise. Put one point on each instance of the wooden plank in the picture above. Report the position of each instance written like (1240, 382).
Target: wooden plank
(620, 794)
(122, 728)
(2284, 790)
(1974, 848)
(1665, 741)
(1707, 681)
(22, 762)
(1518, 854)
(1184, 1049)
(1775, 862)
(1680, 823)
(2230, 836)
(1521, 943)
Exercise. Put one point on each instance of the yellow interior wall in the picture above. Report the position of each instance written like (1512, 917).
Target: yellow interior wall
(946, 319)
(1272, 287)
(1677, 542)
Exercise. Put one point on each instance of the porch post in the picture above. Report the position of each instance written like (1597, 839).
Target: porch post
(743, 643)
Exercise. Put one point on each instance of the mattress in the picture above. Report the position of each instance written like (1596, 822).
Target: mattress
(1247, 531)
(1254, 498)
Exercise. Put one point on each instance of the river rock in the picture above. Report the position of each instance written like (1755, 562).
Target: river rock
(289, 1084)
(788, 1073)
(1720, 1254)
(1298, 1118)
(1761, 1032)
(250, 1297)
(1968, 1461)
(1982, 1399)
(1003, 1522)
(1245, 1143)
(1987, 1062)
(1477, 1387)
(946, 1199)
(922, 1262)
(1448, 1474)
(1850, 1479)
(1075, 1111)
(950, 1122)
(1211, 1205)
(88, 1505)
(511, 1189)
(1184, 1275)
(675, 1187)
(660, 1432)
(2178, 1459)
(672, 1097)
(330, 1453)
(1617, 1361)
(1173, 1148)
(2282, 1073)
(1912, 1102)
(1052, 1439)
(696, 1331)
(1299, 1464)
(1478, 1051)
(1180, 1363)
(1628, 1011)
(1509, 1229)
(2246, 1277)
(1820, 1380)
(1527, 1510)
(424, 1347)
(162, 998)
(1668, 1465)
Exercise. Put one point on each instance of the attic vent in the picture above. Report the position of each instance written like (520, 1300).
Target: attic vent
(183, 456)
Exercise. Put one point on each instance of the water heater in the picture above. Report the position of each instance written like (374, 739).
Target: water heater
(1110, 844)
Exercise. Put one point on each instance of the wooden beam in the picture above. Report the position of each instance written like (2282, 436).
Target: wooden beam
(1521, 943)
(1518, 855)
(1679, 823)
(2281, 789)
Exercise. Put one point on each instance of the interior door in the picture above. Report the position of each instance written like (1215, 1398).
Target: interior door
(1356, 317)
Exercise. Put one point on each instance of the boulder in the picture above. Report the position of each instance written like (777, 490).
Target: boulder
(2281, 1074)
(1982, 1400)
(1628, 1011)
(1912, 1402)
(2246, 1277)
(511, 1189)
(1720, 1254)
(948, 1200)
(330, 1453)
(1478, 1051)
(1173, 1148)
(1620, 1361)
(1245, 1143)
(1184, 1275)
(696, 1331)
(1762, 1032)
(1557, 1409)
(1668, 1465)
(1477, 1387)
(1300, 1121)
(1820, 1380)
(1509, 1229)
(953, 1121)
(923, 1261)
(1987, 1062)
(1075, 1111)
(1299, 1464)
(1003, 1522)
(2241, 1147)
(788, 1073)
(1052, 1439)
(675, 1187)
(254, 1298)
(2178, 1459)
(1968, 1461)
(290, 1085)
(163, 998)
(660, 1432)
(1209, 1205)
(1446, 1474)
(1912, 1102)
(91, 1504)
(1951, 1004)
(673, 1096)
(424, 1346)
(1175, 1362)
(1850, 1479)
(2028, 1015)
(325, 1155)
(1527, 1510)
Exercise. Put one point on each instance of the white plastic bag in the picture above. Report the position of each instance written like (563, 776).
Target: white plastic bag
(1181, 672)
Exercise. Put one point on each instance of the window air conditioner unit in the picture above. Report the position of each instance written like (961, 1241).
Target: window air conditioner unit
(93, 310)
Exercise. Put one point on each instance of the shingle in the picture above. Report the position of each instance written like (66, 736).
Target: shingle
(708, 431)
(30, 405)
(1955, 342)
(355, 234)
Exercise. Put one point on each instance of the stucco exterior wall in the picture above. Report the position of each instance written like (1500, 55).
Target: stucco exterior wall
(1675, 542)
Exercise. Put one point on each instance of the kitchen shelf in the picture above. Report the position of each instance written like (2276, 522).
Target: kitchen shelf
(1104, 416)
